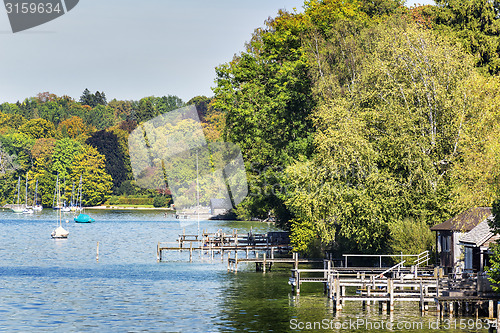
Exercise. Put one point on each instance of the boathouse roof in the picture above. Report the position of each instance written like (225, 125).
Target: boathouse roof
(465, 221)
(479, 235)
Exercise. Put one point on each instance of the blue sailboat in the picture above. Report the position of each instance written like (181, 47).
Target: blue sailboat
(82, 218)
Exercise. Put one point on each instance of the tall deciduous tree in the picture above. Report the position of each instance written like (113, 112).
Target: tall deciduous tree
(96, 183)
(392, 108)
(265, 94)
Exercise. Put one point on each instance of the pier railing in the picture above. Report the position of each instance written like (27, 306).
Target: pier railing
(419, 259)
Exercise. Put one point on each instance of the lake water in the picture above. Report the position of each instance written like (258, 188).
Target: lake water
(49, 285)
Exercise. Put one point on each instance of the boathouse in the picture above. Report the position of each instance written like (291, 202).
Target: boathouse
(220, 206)
(476, 245)
(450, 233)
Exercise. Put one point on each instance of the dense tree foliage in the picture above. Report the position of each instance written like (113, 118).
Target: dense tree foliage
(43, 135)
(476, 26)
(107, 143)
(93, 100)
(265, 94)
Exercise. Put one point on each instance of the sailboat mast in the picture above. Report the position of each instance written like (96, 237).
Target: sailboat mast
(26, 194)
(197, 194)
(18, 189)
(36, 192)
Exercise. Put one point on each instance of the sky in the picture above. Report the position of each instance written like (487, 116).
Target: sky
(131, 49)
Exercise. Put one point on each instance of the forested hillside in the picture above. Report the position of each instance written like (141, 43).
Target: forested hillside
(48, 135)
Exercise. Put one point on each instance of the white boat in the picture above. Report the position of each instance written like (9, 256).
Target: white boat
(28, 210)
(65, 209)
(59, 232)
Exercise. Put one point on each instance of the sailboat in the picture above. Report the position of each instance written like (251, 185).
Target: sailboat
(27, 209)
(18, 208)
(82, 218)
(59, 232)
(36, 207)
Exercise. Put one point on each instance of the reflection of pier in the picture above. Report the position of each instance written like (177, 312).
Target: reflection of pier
(220, 242)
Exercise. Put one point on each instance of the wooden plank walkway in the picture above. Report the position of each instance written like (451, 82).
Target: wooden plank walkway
(263, 263)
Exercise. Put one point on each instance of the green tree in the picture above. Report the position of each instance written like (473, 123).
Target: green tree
(109, 145)
(63, 157)
(97, 184)
(265, 95)
(476, 26)
(93, 100)
(202, 104)
(18, 145)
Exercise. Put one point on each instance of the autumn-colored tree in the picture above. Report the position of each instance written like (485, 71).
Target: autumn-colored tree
(74, 128)
(43, 147)
(38, 128)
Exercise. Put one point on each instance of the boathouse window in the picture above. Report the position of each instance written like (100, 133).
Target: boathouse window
(445, 243)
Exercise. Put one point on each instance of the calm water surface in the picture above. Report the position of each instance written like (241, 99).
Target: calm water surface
(51, 285)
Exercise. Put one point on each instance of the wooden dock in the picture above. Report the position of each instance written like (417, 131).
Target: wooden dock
(224, 243)
(451, 294)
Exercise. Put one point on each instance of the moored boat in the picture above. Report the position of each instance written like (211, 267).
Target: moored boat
(83, 218)
(59, 232)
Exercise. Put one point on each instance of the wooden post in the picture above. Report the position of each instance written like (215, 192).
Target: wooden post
(236, 261)
(390, 289)
(158, 252)
(421, 296)
(264, 263)
(338, 304)
(297, 281)
(490, 309)
(296, 264)
(247, 252)
(190, 252)
(498, 314)
(272, 252)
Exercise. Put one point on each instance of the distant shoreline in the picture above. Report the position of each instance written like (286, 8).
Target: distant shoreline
(166, 209)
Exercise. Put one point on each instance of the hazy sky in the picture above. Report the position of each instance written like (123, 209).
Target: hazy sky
(130, 49)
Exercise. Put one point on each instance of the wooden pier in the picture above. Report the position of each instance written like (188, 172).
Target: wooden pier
(224, 243)
(428, 286)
